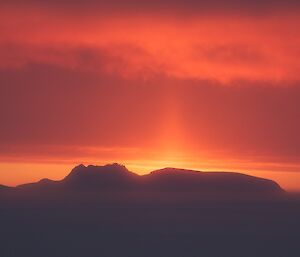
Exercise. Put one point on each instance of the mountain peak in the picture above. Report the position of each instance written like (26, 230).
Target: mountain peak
(76, 170)
(114, 177)
(115, 166)
(92, 176)
(111, 166)
(108, 168)
(174, 171)
(2, 187)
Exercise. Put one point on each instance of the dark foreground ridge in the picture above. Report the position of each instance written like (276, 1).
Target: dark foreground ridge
(2, 187)
(109, 211)
(116, 177)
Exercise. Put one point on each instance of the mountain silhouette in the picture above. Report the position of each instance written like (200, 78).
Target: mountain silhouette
(116, 177)
(191, 180)
(2, 187)
(110, 211)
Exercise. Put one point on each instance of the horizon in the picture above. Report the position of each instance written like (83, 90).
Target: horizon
(192, 84)
(66, 173)
(202, 85)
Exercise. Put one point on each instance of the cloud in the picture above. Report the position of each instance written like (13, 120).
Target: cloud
(191, 58)
(124, 59)
(44, 104)
(224, 48)
(178, 7)
(215, 79)
(232, 54)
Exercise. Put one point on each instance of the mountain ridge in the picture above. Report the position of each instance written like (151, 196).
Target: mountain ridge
(3, 187)
(116, 177)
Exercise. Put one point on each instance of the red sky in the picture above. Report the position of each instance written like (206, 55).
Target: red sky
(192, 84)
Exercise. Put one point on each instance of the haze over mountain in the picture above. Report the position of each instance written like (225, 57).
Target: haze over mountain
(116, 177)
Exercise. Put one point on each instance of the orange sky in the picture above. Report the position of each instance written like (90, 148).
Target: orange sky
(192, 84)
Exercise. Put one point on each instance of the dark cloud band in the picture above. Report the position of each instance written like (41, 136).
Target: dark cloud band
(165, 6)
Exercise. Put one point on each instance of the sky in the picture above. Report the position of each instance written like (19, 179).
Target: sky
(208, 85)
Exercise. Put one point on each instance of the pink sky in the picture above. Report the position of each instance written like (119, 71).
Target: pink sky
(210, 86)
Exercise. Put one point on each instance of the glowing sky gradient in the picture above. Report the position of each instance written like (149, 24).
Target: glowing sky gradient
(191, 84)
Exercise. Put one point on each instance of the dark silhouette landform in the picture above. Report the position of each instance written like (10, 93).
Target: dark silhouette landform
(116, 177)
(2, 187)
(108, 211)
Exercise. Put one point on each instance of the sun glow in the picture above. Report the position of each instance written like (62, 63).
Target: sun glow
(203, 89)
